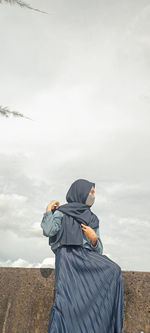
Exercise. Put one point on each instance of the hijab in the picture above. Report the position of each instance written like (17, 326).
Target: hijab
(75, 212)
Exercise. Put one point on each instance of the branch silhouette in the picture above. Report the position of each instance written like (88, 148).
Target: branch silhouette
(22, 4)
(5, 112)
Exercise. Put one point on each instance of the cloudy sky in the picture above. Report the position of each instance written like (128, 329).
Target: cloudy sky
(81, 72)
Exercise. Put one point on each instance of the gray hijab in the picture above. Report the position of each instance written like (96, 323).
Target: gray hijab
(75, 212)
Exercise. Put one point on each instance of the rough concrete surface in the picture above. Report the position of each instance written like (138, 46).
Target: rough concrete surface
(27, 294)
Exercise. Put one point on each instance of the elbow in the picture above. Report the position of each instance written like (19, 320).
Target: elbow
(45, 233)
(49, 233)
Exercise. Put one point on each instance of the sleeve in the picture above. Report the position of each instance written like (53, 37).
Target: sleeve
(99, 245)
(51, 223)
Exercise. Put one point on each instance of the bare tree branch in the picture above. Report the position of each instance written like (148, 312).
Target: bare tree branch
(22, 4)
(5, 112)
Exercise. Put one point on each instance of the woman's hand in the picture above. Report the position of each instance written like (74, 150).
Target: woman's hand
(51, 205)
(89, 232)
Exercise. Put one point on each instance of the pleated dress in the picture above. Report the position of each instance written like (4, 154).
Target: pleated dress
(88, 294)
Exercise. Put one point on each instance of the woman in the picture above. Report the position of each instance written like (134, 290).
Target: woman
(88, 285)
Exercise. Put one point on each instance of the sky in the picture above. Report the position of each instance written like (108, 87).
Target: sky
(81, 73)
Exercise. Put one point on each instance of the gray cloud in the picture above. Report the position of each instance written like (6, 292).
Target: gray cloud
(83, 75)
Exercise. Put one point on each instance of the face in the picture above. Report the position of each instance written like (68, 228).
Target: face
(91, 197)
(92, 191)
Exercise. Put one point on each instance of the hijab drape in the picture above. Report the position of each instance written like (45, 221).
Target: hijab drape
(75, 212)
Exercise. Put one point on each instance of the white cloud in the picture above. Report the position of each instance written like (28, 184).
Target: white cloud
(46, 263)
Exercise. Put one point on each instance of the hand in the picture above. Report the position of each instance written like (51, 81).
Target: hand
(51, 205)
(89, 232)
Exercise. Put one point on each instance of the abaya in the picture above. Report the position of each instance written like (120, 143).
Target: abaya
(89, 292)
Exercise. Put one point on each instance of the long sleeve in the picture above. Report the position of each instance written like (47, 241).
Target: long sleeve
(99, 245)
(51, 223)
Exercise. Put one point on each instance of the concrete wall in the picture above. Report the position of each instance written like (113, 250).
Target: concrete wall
(27, 294)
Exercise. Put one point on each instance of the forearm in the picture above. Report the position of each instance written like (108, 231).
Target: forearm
(99, 245)
(94, 240)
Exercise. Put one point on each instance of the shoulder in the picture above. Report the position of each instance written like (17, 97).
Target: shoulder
(58, 213)
(49, 214)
